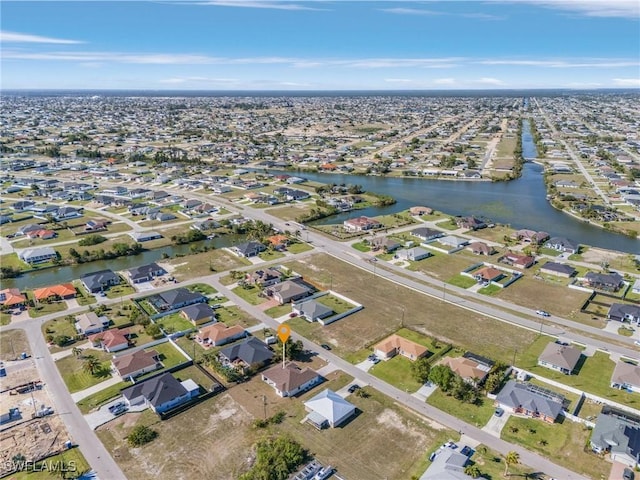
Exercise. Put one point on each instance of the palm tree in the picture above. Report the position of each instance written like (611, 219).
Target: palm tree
(472, 470)
(512, 458)
(543, 443)
(76, 351)
(91, 364)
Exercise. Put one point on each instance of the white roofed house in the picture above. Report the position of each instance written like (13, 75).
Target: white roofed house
(37, 255)
(88, 323)
(328, 408)
(626, 376)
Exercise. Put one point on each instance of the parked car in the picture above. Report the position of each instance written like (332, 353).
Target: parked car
(120, 410)
(293, 315)
(325, 346)
(353, 388)
(375, 360)
(117, 406)
(499, 411)
(543, 313)
(636, 342)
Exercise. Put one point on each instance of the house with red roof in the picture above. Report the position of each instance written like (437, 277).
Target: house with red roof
(61, 291)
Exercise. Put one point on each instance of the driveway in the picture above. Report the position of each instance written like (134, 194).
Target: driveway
(495, 424)
(425, 391)
(103, 415)
(72, 303)
(365, 365)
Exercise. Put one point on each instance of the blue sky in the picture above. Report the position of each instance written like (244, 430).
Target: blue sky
(320, 45)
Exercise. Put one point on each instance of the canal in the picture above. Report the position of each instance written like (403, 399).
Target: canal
(52, 276)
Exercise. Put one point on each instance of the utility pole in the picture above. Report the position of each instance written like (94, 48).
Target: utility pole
(264, 404)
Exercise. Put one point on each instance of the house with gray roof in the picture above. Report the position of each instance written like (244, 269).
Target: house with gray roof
(609, 282)
(161, 393)
(448, 464)
(252, 353)
(288, 291)
(426, 234)
(623, 312)
(198, 314)
(175, 299)
(312, 310)
(145, 273)
(248, 249)
(561, 244)
(144, 236)
(530, 400)
(99, 281)
(558, 269)
(626, 376)
(617, 433)
(37, 255)
(414, 254)
(385, 243)
(561, 358)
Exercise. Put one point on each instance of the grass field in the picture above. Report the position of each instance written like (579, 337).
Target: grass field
(200, 264)
(60, 326)
(461, 281)
(290, 212)
(73, 459)
(565, 444)
(233, 315)
(100, 398)
(299, 248)
(76, 378)
(269, 255)
(474, 414)
(443, 266)
(275, 312)
(384, 303)
(174, 323)
(120, 290)
(250, 294)
(169, 355)
(12, 344)
(202, 288)
(334, 303)
(397, 372)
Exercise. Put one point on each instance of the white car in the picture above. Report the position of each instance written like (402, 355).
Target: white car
(637, 342)
(543, 313)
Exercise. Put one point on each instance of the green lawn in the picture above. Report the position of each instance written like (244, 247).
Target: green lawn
(361, 247)
(76, 378)
(280, 310)
(249, 294)
(83, 297)
(169, 355)
(202, 288)
(474, 414)
(461, 281)
(299, 248)
(5, 318)
(191, 347)
(43, 308)
(490, 290)
(60, 326)
(12, 260)
(334, 303)
(75, 465)
(397, 372)
(233, 315)
(120, 290)
(563, 443)
(548, 251)
(269, 255)
(174, 323)
(100, 398)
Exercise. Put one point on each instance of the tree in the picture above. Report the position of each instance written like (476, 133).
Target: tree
(492, 382)
(420, 370)
(141, 435)
(76, 351)
(91, 364)
(472, 470)
(442, 376)
(153, 330)
(512, 458)
(276, 459)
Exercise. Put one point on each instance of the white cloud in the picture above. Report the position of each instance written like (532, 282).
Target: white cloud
(398, 80)
(490, 81)
(444, 81)
(593, 8)
(257, 4)
(13, 37)
(182, 80)
(627, 82)
(583, 63)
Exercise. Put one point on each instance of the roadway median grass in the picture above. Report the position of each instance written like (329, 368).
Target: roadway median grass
(562, 442)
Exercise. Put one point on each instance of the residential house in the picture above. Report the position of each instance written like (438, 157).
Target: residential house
(385, 244)
(37, 255)
(136, 363)
(22, 205)
(395, 344)
(96, 225)
(288, 291)
(448, 464)
(561, 244)
(618, 434)
(264, 277)
(453, 241)
(278, 242)
(176, 299)
(162, 393)
(414, 254)
(42, 234)
(531, 236)
(561, 358)
(486, 275)
(11, 297)
(558, 269)
(290, 380)
(248, 249)
(328, 408)
(472, 368)
(88, 323)
(419, 211)
(426, 234)
(609, 282)
(145, 273)
(623, 312)
(311, 310)
(198, 314)
(252, 353)
(141, 237)
(219, 334)
(471, 223)
(481, 248)
(99, 281)
(635, 288)
(530, 400)
(112, 340)
(626, 376)
(26, 229)
(361, 224)
(63, 213)
(517, 260)
(62, 291)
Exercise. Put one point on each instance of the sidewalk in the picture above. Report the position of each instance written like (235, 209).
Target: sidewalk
(95, 389)
(69, 351)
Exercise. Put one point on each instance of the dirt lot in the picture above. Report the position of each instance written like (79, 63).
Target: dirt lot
(12, 344)
(37, 438)
(384, 303)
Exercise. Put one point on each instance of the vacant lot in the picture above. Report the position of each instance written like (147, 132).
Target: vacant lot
(74, 375)
(291, 212)
(383, 313)
(397, 372)
(563, 443)
(444, 266)
(477, 414)
(200, 264)
(12, 344)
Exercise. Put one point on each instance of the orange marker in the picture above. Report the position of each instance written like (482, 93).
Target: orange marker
(283, 333)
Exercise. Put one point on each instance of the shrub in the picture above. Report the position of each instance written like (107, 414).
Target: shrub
(141, 435)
